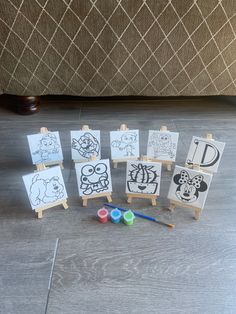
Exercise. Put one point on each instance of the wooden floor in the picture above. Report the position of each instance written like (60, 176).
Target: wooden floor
(68, 263)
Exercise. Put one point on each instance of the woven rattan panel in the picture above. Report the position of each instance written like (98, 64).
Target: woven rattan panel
(118, 47)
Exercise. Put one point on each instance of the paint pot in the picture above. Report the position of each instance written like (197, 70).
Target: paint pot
(128, 217)
(103, 215)
(115, 216)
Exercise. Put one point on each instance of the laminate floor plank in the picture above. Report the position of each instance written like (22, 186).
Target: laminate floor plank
(107, 268)
(25, 268)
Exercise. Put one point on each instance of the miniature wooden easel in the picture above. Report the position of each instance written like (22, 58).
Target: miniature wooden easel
(88, 197)
(168, 163)
(40, 210)
(152, 197)
(44, 130)
(123, 127)
(174, 204)
(85, 127)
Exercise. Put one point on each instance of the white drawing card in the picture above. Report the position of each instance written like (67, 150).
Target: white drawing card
(162, 145)
(45, 187)
(189, 187)
(143, 177)
(85, 144)
(206, 153)
(124, 144)
(45, 147)
(93, 177)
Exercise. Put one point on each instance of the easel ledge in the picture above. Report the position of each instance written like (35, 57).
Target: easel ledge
(197, 210)
(86, 198)
(40, 210)
(116, 161)
(152, 197)
(168, 163)
(52, 163)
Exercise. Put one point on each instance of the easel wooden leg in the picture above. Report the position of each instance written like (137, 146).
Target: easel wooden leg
(85, 202)
(109, 199)
(65, 205)
(129, 199)
(197, 214)
(172, 207)
(40, 214)
(168, 167)
(154, 201)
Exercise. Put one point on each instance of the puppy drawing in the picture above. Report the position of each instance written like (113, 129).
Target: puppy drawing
(188, 189)
(45, 191)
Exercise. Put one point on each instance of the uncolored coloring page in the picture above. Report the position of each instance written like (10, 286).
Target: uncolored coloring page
(189, 186)
(124, 144)
(162, 145)
(93, 177)
(205, 153)
(45, 187)
(45, 147)
(85, 144)
(143, 177)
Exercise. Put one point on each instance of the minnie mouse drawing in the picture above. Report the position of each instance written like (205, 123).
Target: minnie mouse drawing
(188, 188)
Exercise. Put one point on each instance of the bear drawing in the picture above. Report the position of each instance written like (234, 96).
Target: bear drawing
(45, 191)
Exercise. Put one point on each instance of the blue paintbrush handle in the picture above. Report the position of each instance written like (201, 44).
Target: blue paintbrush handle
(135, 213)
(141, 215)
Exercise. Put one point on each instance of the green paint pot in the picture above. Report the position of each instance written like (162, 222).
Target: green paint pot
(128, 217)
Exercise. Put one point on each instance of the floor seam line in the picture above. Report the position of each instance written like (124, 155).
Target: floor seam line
(51, 274)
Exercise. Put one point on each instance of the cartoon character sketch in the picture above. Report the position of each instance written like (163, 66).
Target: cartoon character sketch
(126, 143)
(94, 178)
(142, 179)
(87, 145)
(46, 191)
(188, 189)
(47, 145)
(162, 145)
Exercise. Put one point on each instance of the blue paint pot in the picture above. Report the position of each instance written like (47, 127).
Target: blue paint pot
(115, 216)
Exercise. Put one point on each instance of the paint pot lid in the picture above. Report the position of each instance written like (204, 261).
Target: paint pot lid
(129, 215)
(102, 212)
(116, 213)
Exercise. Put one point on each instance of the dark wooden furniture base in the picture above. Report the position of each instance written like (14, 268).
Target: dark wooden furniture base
(26, 105)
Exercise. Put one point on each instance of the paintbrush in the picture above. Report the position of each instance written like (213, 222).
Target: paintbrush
(142, 216)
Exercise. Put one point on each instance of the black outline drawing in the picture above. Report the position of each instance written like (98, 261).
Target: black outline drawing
(87, 145)
(211, 162)
(142, 177)
(162, 145)
(126, 143)
(48, 145)
(188, 188)
(45, 190)
(94, 178)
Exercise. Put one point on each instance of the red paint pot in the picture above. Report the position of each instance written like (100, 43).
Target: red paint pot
(103, 215)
